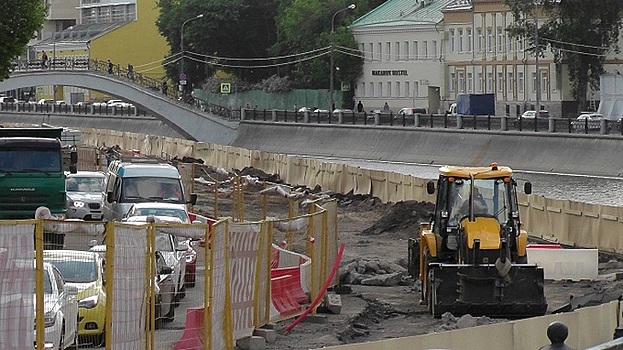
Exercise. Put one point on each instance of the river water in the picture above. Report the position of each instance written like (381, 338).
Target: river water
(579, 188)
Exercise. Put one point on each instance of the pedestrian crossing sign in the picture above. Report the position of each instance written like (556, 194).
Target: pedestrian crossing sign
(225, 88)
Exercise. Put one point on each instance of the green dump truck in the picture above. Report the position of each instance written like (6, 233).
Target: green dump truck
(31, 172)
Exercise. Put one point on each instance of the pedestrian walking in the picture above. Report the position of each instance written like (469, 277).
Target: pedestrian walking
(109, 67)
(130, 71)
(359, 107)
(386, 107)
(165, 87)
(44, 60)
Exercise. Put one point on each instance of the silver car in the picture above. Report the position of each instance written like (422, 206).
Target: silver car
(84, 195)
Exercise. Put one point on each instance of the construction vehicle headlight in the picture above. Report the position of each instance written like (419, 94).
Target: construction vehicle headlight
(444, 214)
(515, 215)
(78, 204)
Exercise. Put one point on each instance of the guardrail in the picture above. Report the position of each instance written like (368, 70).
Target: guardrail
(446, 121)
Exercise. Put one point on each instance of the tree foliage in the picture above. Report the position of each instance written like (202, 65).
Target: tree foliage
(261, 29)
(19, 21)
(580, 34)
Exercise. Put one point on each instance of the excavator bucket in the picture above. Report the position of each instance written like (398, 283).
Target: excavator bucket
(479, 290)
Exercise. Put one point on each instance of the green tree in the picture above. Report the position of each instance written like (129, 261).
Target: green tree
(19, 21)
(580, 34)
(229, 28)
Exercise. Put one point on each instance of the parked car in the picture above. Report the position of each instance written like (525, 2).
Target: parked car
(587, 120)
(532, 114)
(119, 104)
(164, 286)
(412, 111)
(85, 271)
(172, 250)
(7, 99)
(84, 195)
(60, 310)
(45, 101)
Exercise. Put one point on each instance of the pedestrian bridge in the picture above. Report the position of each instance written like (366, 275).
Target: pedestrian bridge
(187, 120)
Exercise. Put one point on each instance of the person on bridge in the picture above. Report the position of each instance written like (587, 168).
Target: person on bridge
(130, 71)
(359, 107)
(44, 60)
(109, 66)
(165, 87)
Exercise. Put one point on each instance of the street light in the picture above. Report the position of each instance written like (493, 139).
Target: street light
(182, 40)
(349, 7)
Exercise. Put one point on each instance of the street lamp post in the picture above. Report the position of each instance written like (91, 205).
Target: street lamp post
(349, 7)
(182, 40)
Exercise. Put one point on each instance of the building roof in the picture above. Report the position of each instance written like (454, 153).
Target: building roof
(81, 33)
(403, 12)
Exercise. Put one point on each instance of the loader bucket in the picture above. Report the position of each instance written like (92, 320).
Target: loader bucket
(481, 291)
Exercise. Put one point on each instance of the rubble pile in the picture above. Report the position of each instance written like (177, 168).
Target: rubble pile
(373, 273)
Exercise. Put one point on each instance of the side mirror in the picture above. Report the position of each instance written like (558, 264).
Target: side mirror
(430, 187)
(527, 188)
(193, 198)
(109, 197)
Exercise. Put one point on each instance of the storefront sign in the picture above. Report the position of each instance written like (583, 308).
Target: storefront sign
(389, 72)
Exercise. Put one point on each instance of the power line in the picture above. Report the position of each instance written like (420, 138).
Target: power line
(575, 44)
(259, 66)
(258, 58)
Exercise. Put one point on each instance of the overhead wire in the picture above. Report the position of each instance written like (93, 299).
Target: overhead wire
(259, 66)
(259, 58)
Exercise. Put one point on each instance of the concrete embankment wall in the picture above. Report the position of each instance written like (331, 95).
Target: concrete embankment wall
(547, 152)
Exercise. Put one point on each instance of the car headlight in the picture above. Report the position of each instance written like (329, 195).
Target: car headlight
(49, 319)
(78, 204)
(88, 303)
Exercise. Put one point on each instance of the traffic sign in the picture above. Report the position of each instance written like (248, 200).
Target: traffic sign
(225, 88)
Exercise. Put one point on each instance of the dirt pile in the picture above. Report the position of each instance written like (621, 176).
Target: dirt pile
(402, 218)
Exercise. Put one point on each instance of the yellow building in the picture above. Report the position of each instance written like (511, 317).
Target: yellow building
(122, 32)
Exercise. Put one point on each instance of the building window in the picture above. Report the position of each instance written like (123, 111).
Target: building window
(469, 40)
(380, 46)
(389, 52)
(415, 50)
(380, 86)
(416, 91)
(479, 34)
(460, 40)
(470, 82)
(520, 82)
(452, 82)
(397, 48)
(489, 82)
(398, 89)
(509, 44)
(510, 83)
(534, 82)
(371, 52)
(434, 47)
(407, 57)
(461, 82)
(407, 91)
(544, 81)
(500, 82)
(480, 81)
(489, 40)
(362, 91)
(520, 44)
(452, 40)
(500, 40)
(372, 90)
(389, 89)
(425, 48)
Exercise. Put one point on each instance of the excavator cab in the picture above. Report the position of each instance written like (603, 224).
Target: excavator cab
(471, 257)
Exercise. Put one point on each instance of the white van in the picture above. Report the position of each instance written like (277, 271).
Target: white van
(129, 182)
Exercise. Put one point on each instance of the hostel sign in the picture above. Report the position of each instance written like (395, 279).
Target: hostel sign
(389, 72)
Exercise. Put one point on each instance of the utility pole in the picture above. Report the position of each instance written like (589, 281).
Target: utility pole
(537, 52)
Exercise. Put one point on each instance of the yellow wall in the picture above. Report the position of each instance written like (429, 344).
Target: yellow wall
(138, 43)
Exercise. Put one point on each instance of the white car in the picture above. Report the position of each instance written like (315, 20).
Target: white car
(173, 251)
(588, 120)
(84, 195)
(119, 104)
(158, 209)
(532, 114)
(60, 310)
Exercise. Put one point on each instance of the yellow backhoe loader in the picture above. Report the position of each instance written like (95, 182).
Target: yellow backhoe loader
(471, 257)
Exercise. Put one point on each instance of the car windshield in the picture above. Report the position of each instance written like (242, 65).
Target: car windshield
(76, 271)
(176, 213)
(490, 199)
(152, 188)
(30, 160)
(84, 184)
